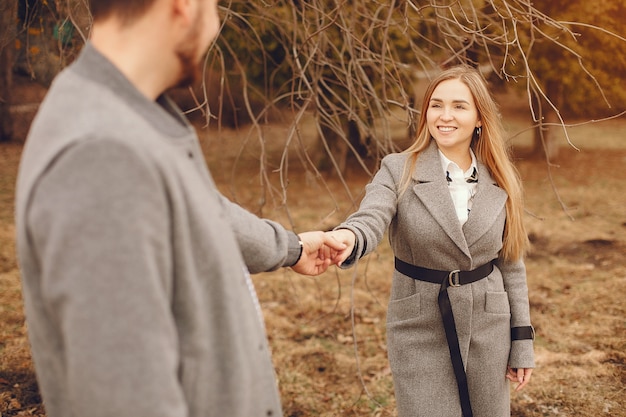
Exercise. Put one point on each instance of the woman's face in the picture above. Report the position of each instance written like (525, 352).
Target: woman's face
(452, 116)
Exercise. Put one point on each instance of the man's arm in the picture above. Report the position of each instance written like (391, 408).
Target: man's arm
(266, 245)
(99, 222)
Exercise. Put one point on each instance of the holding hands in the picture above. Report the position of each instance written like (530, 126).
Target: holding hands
(322, 249)
(345, 237)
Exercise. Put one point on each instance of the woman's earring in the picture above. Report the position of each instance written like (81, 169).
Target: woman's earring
(479, 131)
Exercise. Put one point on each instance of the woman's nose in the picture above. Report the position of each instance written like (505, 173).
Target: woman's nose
(446, 114)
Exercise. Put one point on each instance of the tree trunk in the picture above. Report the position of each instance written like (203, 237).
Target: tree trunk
(332, 150)
(544, 139)
(8, 16)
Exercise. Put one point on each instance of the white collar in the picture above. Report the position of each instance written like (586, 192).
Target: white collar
(445, 162)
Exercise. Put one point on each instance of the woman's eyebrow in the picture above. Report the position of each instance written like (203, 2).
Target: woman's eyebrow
(453, 101)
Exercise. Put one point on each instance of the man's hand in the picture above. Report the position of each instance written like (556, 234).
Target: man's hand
(319, 251)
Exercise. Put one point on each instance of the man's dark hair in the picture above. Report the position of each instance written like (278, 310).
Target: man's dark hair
(125, 9)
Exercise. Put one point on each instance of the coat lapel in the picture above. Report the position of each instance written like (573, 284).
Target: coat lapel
(488, 203)
(432, 190)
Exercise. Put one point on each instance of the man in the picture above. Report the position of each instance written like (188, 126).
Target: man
(134, 267)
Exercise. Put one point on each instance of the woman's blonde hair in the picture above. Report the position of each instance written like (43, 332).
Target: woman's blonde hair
(489, 147)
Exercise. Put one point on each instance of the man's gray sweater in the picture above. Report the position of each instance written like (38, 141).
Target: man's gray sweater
(134, 267)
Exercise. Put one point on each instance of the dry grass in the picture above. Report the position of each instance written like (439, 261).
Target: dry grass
(328, 333)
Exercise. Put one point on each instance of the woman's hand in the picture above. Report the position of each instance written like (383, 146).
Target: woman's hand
(520, 375)
(345, 237)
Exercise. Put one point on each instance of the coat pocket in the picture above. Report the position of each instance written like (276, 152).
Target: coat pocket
(497, 303)
(404, 309)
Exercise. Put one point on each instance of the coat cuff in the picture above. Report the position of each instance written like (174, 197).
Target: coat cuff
(294, 249)
(522, 354)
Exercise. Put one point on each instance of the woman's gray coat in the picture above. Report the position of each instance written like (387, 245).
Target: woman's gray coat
(424, 230)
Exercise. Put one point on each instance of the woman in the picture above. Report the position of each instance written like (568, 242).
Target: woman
(458, 323)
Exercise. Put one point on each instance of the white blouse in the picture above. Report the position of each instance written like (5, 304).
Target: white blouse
(462, 185)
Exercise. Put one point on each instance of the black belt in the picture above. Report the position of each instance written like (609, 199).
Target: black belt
(447, 279)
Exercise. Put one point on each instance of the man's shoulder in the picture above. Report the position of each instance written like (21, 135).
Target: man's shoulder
(76, 111)
(72, 97)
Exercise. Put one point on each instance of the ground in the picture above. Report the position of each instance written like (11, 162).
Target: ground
(328, 333)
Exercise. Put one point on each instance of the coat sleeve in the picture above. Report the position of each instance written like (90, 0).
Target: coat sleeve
(98, 220)
(514, 275)
(265, 245)
(375, 212)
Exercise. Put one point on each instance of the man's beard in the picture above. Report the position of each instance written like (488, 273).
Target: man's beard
(187, 55)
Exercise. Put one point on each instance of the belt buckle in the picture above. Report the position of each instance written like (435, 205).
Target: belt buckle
(454, 280)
